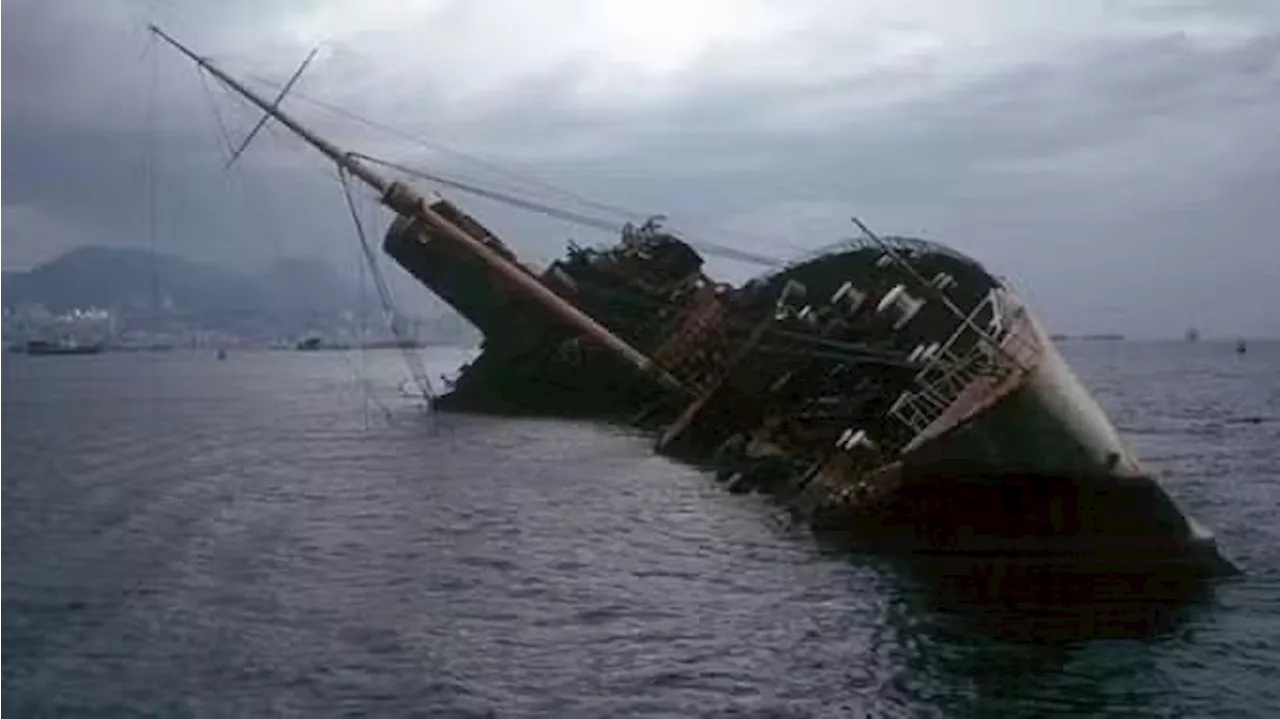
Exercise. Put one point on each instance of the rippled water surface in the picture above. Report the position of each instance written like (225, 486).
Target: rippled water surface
(258, 537)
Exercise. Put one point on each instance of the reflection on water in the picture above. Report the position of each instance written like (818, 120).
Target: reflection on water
(986, 639)
(1051, 604)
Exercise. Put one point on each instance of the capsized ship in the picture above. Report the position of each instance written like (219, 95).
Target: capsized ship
(888, 387)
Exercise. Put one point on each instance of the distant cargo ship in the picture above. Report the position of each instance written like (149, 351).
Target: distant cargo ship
(63, 347)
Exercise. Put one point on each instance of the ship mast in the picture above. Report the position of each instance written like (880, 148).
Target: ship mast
(406, 201)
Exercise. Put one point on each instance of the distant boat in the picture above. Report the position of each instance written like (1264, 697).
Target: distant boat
(222, 354)
(44, 347)
(1241, 348)
(1193, 334)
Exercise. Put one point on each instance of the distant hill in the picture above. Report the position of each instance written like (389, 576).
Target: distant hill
(123, 277)
(307, 285)
(292, 295)
(9, 278)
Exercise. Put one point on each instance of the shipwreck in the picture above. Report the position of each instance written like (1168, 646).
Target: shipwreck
(888, 387)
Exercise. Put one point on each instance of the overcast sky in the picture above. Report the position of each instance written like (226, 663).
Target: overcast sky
(1120, 162)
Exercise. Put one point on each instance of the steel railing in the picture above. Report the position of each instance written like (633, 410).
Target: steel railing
(967, 355)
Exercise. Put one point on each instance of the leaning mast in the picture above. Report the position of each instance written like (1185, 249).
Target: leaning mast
(406, 201)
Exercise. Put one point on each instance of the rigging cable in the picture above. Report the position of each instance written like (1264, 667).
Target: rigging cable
(370, 392)
(150, 162)
(623, 212)
(558, 213)
(363, 332)
(711, 248)
(213, 106)
(384, 293)
(153, 145)
(256, 194)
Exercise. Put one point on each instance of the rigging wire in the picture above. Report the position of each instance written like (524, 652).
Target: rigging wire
(403, 341)
(256, 190)
(566, 215)
(708, 246)
(361, 373)
(622, 212)
(213, 107)
(361, 273)
(149, 163)
(153, 150)
(279, 98)
(630, 215)
(150, 171)
(370, 393)
(562, 214)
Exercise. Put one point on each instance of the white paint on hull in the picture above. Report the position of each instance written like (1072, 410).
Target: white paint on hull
(1060, 394)
(1041, 420)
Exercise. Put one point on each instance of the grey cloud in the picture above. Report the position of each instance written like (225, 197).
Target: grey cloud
(1126, 184)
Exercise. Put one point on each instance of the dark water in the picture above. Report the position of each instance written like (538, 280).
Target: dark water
(253, 537)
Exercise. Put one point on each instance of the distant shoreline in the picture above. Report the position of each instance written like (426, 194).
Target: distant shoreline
(1099, 337)
(1218, 339)
(19, 349)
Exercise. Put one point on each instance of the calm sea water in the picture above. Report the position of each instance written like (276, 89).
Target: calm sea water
(258, 537)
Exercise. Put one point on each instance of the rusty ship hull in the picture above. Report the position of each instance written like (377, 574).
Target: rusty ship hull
(869, 406)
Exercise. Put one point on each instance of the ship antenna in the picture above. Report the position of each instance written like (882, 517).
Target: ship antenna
(934, 292)
(407, 202)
